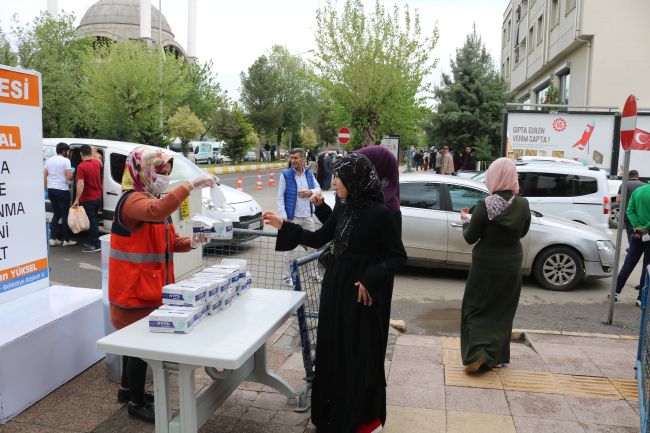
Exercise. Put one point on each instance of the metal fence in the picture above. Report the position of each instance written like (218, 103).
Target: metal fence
(643, 358)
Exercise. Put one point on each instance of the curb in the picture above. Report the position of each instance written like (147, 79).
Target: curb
(518, 334)
(244, 168)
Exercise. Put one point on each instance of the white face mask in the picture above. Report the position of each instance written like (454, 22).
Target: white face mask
(160, 184)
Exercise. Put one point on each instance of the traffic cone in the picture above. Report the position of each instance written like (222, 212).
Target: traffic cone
(239, 183)
(271, 180)
(258, 185)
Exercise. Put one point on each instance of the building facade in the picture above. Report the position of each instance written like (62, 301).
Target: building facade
(595, 52)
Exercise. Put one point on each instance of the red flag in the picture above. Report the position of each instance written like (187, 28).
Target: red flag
(641, 140)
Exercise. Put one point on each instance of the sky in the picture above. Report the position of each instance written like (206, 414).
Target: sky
(234, 33)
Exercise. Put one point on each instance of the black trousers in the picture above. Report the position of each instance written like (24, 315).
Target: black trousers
(134, 373)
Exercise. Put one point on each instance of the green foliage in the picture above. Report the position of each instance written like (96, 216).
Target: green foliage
(230, 125)
(326, 124)
(470, 101)
(259, 95)
(185, 125)
(124, 84)
(373, 67)
(484, 150)
(309, 138)
(204, 95)
(7, 55)
(49, 45)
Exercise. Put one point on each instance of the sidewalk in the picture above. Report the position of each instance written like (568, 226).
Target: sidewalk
(555, 382)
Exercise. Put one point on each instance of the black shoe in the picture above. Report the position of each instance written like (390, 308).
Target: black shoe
(123, 396)
(144, 412)
(637, 287)
(91, 249)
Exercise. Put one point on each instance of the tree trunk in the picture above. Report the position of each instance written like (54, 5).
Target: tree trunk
(368, 137)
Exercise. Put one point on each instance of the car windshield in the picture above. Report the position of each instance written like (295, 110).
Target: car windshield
(184, 169)
(479, 177)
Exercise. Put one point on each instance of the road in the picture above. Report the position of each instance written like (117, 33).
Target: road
(427, 300)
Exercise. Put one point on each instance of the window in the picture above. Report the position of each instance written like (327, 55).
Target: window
(555, 12)
(117, 166)
(556, 185)
(531, 35)
(540, 29)
(462, 196)
(420, 195)
(516, 54)
(526, 101)
(570, 5)
(541, 95)
(503, 40)
(565, 84)
(509, 28)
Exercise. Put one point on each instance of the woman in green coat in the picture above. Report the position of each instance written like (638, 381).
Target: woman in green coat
(494, 283)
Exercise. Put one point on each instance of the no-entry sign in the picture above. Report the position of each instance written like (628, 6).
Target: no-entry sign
(628, 122)
(344, 135)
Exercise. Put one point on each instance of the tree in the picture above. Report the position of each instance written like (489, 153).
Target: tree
(204, 94)
(230, 125)
(309, 139)
(124, 85)
(7, 55)
(185, 125)
(470, 100)
(49, 45)
(260, 95)
(373, 67)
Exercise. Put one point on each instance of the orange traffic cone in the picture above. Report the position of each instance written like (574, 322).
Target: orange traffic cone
(239, 183)
(271, 180)
(258, 185)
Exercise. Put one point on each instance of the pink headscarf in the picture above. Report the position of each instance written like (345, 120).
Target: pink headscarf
(502, 176)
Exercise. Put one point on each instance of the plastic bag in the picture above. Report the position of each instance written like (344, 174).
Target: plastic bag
(78, 220)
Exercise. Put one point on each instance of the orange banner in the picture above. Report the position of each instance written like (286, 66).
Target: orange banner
(19, 88)
(22, 270)
(9, 137)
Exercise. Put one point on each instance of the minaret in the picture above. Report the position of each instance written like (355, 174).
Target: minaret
(145, 20)
(191, 30)
(52, 7)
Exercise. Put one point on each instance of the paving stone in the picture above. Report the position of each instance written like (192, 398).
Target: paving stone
(219, 423)
(271, 401)
(538, 405)
(293, 362)
(536, 339)
(426, 397)
(414, 420)
(540, 425)
(478, 400)
(249, 426)
(467, 422)
(418, 340)
(276, 357)
(564, 364)
(414, 374)
(603, 411)
(18, 427)
(456, 376)
(291, 418)
(259, 415)
(416, 354)
(598, 428)
(523, 357)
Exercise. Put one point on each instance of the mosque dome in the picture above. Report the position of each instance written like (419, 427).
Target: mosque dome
(119, 20)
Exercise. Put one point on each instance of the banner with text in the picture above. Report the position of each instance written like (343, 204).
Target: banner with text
(23, 244)
(584, 137)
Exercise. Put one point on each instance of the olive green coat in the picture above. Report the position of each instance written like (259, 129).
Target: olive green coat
(494, 281)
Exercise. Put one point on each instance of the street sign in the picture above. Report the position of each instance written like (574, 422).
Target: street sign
(628, 123)
(344, 135)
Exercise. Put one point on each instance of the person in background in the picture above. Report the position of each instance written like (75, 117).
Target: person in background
(633, 183)
(432, 159)
(638, 212)
(494, 282)
(349, 388)
(417, 159)
(327, 171)
(468, 160)
(426, 161)
(296, 185)
(274, 149)
(89, 193)
(438, 164)
(447, 162)
(143, 240)
(56, 175)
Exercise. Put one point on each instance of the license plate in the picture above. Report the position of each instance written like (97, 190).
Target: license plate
(255, 225)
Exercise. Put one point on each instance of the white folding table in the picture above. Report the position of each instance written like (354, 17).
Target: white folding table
(233, 340)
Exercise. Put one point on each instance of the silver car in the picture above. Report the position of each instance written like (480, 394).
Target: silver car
(558, 253)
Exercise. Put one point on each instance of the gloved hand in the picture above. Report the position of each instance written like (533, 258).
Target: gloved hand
(199, 239)
(204, 181)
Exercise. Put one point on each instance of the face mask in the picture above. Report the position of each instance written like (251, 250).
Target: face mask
(160, 184)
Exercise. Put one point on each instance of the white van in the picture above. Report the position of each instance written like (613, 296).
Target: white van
(564, 188)
(242, 209)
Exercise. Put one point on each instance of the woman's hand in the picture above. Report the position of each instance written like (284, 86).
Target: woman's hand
(199, 239)
(204, 181)
(272, 219)
(465, 215)
(363, 296)
(317, 199)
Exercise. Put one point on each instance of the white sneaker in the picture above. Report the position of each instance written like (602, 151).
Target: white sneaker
(69, 243)
(55, 242)
(638, 302)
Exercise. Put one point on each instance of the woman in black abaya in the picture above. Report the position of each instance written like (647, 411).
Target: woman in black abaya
(349, 389)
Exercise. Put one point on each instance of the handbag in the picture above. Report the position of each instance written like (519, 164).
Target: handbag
(78, 220)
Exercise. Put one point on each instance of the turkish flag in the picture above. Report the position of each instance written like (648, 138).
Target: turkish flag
(641, 140)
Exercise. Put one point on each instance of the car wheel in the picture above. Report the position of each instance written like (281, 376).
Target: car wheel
(559, 268)
(613, 216)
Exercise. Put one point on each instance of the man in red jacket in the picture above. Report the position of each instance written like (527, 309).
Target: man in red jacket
(89, 192)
